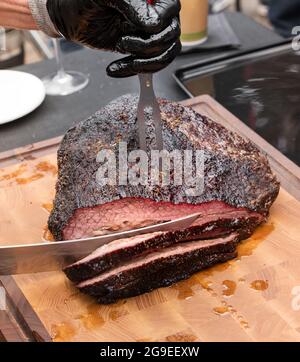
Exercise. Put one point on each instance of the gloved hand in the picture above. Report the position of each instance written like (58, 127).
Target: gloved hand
(148, 30)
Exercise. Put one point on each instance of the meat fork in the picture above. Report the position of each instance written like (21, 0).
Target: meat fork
(148, 100)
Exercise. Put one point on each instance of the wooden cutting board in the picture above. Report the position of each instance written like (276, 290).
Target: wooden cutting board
(252, 298)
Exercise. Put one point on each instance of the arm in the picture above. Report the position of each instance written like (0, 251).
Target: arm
(16, 14)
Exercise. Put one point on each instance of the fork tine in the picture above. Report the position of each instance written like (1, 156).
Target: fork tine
(158, 125)
(148, 99)
(141, 125)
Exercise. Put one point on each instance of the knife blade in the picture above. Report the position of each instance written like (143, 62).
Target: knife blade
(148, 100)
(45, 257)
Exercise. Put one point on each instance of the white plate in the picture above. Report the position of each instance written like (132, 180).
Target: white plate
(20, 94)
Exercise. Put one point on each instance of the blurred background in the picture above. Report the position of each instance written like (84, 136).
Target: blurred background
(221, 57)
(25, 47)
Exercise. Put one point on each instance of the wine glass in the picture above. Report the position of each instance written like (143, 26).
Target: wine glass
(63, 82)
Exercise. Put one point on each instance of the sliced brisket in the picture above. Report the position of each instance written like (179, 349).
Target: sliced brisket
(159, 269)
(114, 254)
(166, 277)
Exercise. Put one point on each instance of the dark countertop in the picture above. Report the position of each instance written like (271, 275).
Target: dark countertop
(57, 114)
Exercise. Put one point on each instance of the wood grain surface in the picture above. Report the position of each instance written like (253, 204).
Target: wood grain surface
(252, 298)
(21, 315)
(9, 331)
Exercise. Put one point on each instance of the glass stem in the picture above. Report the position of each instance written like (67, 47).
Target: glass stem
(58, 56)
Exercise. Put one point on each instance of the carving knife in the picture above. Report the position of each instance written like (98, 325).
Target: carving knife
(148, 100)
(45, 257)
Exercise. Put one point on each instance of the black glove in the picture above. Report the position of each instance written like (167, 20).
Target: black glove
(148, 32)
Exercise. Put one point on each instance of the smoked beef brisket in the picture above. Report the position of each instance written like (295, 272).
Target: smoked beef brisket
(237, 174)
(239, 189)
(159, 269)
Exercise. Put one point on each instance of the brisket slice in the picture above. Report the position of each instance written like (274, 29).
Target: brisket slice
(116, 253)
(171, 275)
(236, 175)
(159, 269)
(129, 213)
